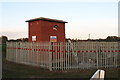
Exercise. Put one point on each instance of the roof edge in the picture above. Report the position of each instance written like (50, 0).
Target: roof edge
(46, 19)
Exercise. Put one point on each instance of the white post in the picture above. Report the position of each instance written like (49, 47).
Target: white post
(97, 55)
(50, 57)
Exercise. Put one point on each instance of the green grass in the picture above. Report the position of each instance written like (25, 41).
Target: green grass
(13, 70)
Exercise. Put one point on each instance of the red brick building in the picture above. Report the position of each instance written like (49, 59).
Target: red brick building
(46, 30)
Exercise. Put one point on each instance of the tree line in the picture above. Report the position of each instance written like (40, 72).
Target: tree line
(4, 39)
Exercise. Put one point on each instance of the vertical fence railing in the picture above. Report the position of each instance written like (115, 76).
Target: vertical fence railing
(65, 56)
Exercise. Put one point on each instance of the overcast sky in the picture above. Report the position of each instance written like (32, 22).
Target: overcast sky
(99, 18)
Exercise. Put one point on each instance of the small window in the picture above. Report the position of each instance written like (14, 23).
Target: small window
(55, 27)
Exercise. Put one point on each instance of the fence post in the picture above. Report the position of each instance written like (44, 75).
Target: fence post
(6, 50)
(50, 56)
(118, 55)
(97, 54)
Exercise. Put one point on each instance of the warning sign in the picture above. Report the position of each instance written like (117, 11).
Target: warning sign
(33, 38)
(53, 38)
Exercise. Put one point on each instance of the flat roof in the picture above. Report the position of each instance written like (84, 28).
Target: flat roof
(46, 19)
